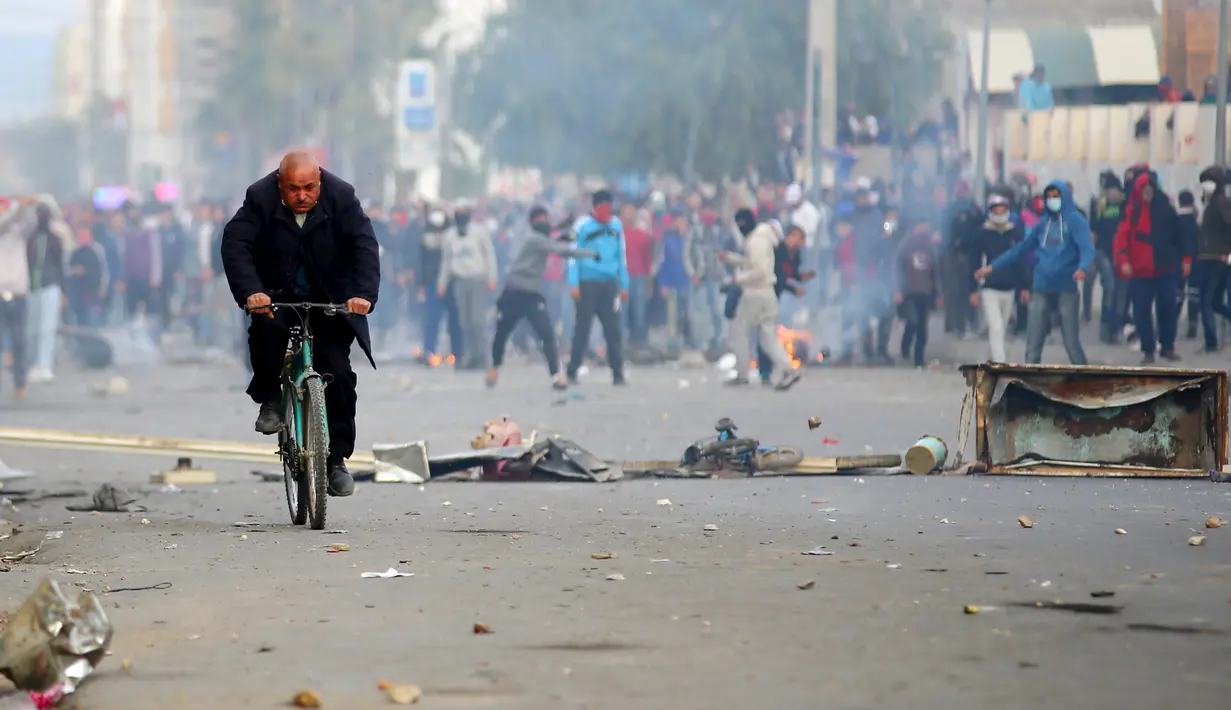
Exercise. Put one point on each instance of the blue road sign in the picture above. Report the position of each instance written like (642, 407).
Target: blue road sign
(419, 118)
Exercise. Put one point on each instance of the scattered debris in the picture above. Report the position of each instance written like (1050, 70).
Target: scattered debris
(1025, 521)
(54, 535)
(184, 474)
(971, 609)
(936, 569)
(604, 556)
(480, 629)
(401, 694)
(946, 521)
(1213, 522)
(814, 422)
(1196, 540)
(401, 463)
(306, 699)
(19, 556)
(110, 499)
(617, 577)
(1076, 607)
(926, 455)
(1102, 595)
(806, 585)
(114, 386)
(664, 501)
(710, 528)
(893, 566)
(1121, 531)
(338, 547)
(387, 574)
(817, 551)
(54, 641)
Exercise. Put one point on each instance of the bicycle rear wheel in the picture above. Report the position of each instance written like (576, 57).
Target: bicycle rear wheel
(292, 468)
(778, 458)
(316, 453)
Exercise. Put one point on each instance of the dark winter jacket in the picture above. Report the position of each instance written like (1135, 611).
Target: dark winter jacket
(992, 241)
(918, 265)
(1106, 213)
(263, 248)
(1215, 241)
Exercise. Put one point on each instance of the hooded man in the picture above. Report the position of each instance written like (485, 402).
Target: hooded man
(1064, 255)
(1000, 292)
(1190, 236)
(469, 272)
(757, 312)
(1106, 213)
(1214, 252)
(436, 306)
(599, 288)
(47, 257)
(15, 223)
(917, 286)
(523, 295)
(1151, 253)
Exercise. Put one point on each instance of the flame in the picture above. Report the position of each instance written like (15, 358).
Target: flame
(450, 360)
(434, 361)
(790, 340)
(416, 352)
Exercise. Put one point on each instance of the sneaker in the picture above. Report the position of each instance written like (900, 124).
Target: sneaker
(789, 378)
(1169, 355)
(1147, 359)
(269, 421)
(341, 484)
(493, 376)
(559, 383)
(619, 381)
(572, 380)
(737, 382)
(39, 376)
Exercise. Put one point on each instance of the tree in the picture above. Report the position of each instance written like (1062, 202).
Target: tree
(306, 70)
(679, 85)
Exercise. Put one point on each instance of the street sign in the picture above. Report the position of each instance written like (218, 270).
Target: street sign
(416, 123)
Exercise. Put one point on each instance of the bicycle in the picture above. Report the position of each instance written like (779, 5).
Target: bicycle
(303, 442)
(728, 449)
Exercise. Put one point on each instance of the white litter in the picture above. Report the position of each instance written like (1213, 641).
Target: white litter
(387, 574)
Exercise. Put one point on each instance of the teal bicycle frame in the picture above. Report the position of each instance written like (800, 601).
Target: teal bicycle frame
(296, 374)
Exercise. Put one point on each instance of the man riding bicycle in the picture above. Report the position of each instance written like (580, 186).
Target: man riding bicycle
(302, 236)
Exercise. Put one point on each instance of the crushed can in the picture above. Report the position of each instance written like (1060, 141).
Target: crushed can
(54, 641)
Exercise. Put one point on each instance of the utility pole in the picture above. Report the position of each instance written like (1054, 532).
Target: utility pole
(87, 131)
(1220, 114)
(981, 148)
(820, 86)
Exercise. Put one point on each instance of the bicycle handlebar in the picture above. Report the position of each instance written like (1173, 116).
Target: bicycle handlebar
(328, 308)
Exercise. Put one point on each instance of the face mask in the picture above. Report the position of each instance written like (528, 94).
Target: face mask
(1054, 204)
(1209, 186)
(999, 218)
(541, 227)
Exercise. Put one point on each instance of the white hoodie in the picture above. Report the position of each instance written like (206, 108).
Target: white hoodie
(15, 225)
(756, 267)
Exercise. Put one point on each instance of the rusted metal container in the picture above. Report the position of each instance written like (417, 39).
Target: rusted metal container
(1060, 420)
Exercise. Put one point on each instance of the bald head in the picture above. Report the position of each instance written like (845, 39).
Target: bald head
(299, 181)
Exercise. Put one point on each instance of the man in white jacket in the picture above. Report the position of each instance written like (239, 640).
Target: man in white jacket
(15, 223)
(757, 312)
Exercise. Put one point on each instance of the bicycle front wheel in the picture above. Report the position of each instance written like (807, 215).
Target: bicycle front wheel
(316, 451)
(292, 462)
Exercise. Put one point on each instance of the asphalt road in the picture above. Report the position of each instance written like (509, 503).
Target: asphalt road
(700, 619)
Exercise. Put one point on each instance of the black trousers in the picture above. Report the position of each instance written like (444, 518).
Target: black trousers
(331, 346)
(13, 324)
(915, 310)
(511, 308)
(598, 298)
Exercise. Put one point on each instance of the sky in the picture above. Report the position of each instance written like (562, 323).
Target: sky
(28, 30)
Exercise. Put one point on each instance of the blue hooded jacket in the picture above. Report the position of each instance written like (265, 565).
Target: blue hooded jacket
(607, 240)
(1061, 244)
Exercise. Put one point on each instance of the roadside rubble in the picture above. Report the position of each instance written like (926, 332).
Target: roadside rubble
(52, 643)
(109, 499)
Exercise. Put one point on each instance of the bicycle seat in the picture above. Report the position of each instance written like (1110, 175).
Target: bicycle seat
(725, 425)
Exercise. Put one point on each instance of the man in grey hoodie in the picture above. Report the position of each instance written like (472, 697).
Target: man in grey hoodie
(468, 268)
(16, 221)
(523, 295)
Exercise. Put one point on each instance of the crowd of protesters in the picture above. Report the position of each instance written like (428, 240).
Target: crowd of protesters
(697, 270)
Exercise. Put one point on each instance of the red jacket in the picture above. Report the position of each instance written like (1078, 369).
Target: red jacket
(639, 251)
(1148, 240)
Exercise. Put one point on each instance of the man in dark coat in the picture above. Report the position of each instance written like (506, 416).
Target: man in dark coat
(301, 235)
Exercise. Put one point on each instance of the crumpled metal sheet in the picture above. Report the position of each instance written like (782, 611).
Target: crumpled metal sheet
(1095, 393)
(54, 640)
